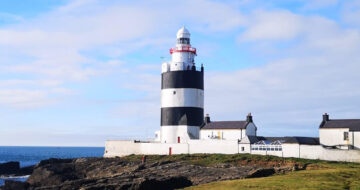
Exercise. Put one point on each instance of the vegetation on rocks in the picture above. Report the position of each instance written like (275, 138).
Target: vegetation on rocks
(200, 171)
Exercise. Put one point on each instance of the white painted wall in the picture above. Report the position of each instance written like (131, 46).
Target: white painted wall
(213, 146)
(291, 150)
(165, 67)
(123, 148)
(356, 135)
(163, 149)
(182, 97)
(170, 133)
(333, 137)
(354, 139)
(244, 148)
(224, 134)
(318, 152)
(187, 58)
(157, 136)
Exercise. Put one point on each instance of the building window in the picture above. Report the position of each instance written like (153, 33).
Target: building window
(242, 148)
(346, 136)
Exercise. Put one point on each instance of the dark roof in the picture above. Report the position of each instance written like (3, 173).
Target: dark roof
(351, 124)
(225, 125)
(253, 139)
(292, 140)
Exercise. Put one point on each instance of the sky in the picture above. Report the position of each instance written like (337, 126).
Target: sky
(76, 73)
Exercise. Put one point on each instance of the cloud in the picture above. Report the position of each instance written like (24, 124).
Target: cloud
(350, 13)
(310, 67)
(319, 4)
(82, 39)
(276, 25)
(20, 98)
(7, 17)
(315, 73)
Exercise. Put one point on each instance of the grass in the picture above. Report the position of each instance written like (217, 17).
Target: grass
(213, 159)
(339, 178)
(324, 175)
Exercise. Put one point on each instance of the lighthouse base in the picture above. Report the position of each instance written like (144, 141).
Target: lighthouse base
(179, 133)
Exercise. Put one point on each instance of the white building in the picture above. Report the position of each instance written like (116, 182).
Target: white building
(184, 131)
(340, 133)
(227, 130)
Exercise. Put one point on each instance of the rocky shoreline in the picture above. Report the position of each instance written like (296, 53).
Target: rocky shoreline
(120, 173)
(14, 169)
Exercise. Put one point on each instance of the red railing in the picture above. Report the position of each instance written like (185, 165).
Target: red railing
(183, 49)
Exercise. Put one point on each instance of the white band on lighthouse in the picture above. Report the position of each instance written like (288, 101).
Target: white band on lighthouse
(182, 97)
(182, 93)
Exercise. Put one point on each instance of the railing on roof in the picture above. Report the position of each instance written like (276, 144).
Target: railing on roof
(183, 49)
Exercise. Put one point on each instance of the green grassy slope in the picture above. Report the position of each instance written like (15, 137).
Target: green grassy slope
(340, 178)
(318, 175)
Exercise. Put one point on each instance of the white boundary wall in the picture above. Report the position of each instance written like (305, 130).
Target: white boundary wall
(122, 148)
(213, 146)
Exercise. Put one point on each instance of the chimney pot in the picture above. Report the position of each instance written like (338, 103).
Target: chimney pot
(326, 117)
(207, 119)
(249, 118)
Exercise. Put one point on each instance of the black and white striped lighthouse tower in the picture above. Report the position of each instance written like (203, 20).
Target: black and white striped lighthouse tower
(182, 93)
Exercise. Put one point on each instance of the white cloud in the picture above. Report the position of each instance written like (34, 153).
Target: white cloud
(20, 98)
(316, 73)
(7, 17)
(351, 12)
(276, 25)
(63, 44)
(318, 4)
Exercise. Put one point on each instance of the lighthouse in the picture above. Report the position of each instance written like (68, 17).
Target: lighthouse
(182, 93)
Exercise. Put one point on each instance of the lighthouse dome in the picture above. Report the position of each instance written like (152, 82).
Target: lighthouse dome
(183, 33)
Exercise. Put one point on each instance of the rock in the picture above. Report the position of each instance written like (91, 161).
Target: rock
(261, 172)
(9, 168)
(118, 173)
(164, 183)
(25, 171)
(12, 185)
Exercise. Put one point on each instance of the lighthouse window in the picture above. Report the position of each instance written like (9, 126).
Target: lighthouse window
(184, 41)
(174, 92)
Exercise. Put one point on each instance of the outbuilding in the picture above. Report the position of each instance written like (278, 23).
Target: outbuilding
(227, 130)
(339, 133)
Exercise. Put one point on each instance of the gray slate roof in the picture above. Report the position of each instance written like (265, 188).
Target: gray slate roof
(292, 140)
(225, 125)
(351, 124)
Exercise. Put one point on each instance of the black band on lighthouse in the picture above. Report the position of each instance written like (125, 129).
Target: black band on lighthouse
(182, 79)
(191, 116)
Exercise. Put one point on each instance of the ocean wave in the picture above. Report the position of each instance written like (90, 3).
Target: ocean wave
(13, 177)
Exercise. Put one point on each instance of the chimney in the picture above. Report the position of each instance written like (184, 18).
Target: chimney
(249, 118)
(207, 119)
(326, 117)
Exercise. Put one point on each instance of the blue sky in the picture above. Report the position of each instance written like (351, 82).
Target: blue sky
(75, 73)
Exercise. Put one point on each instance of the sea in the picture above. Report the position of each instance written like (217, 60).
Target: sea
(31, 155)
